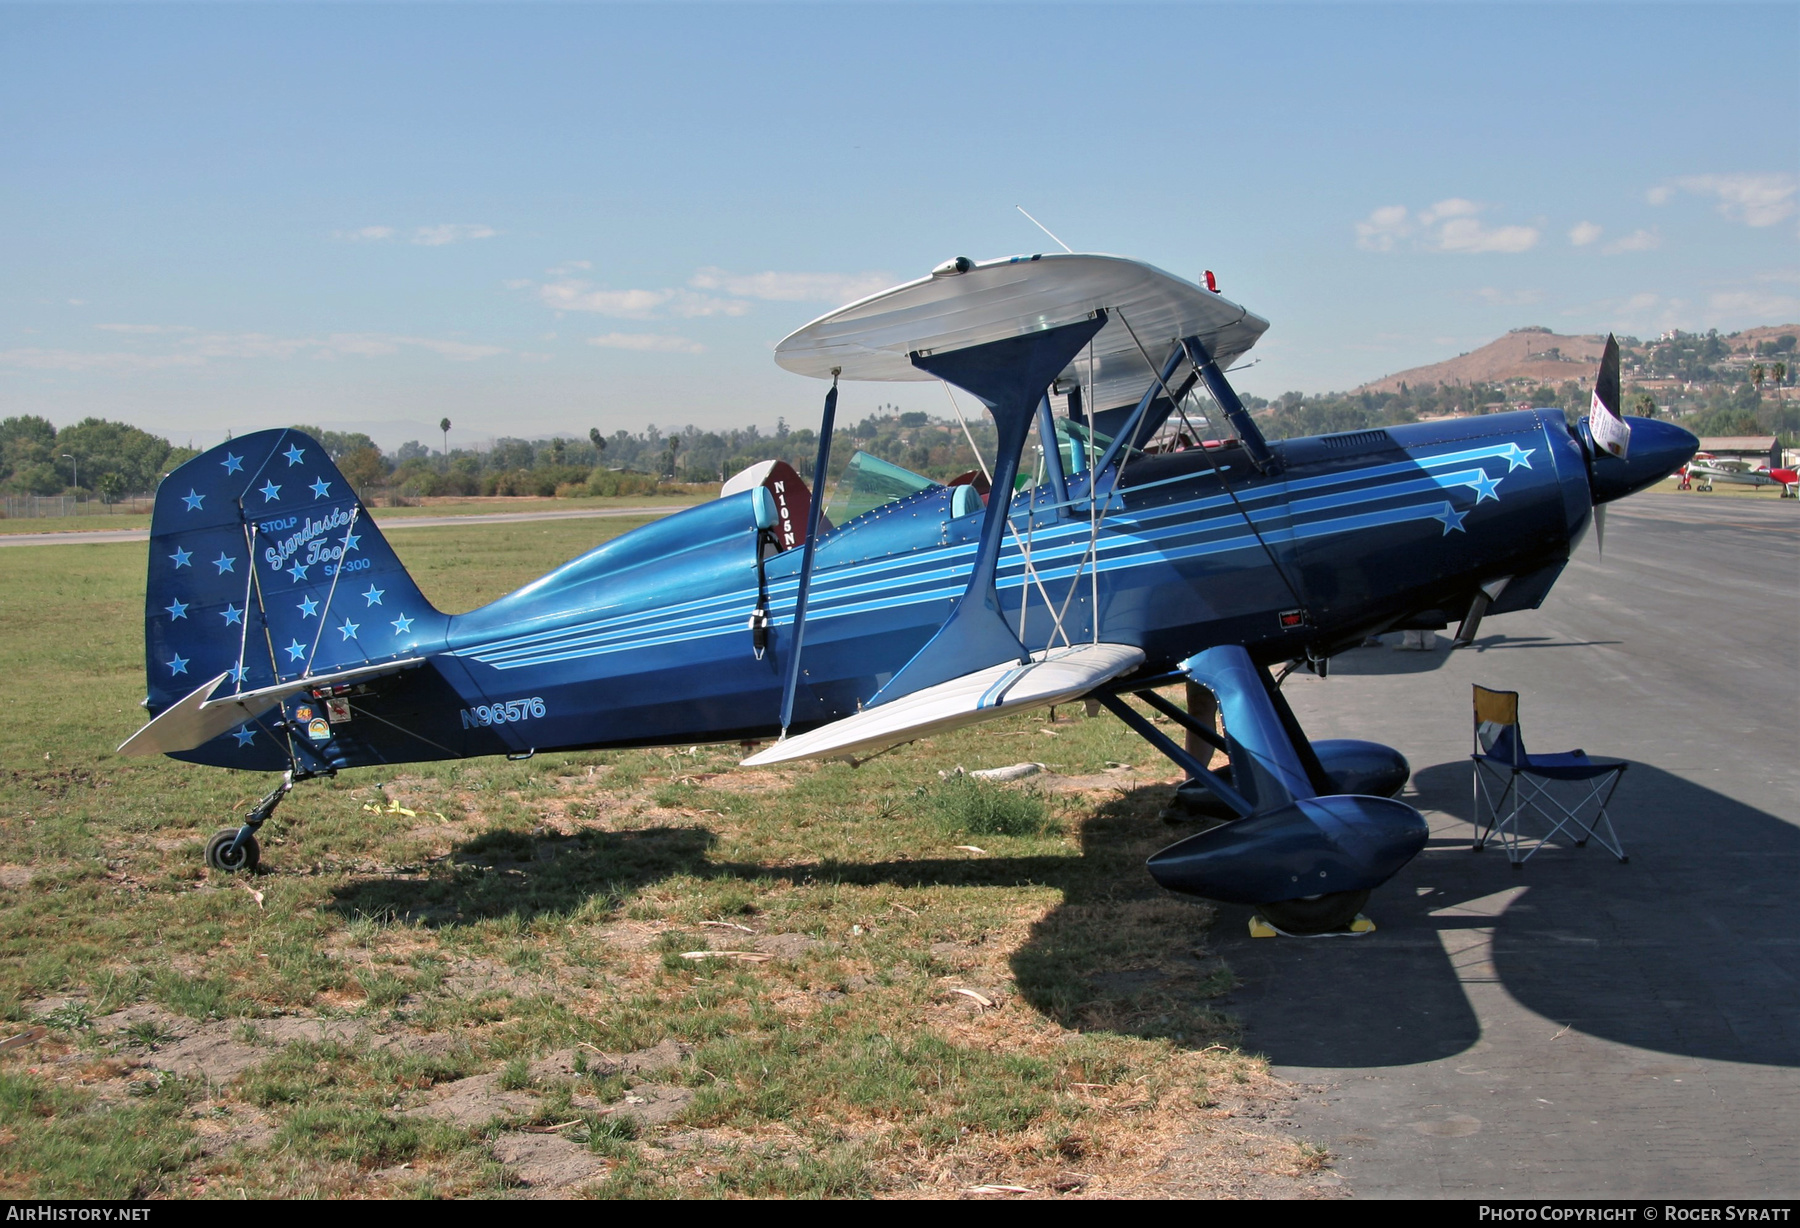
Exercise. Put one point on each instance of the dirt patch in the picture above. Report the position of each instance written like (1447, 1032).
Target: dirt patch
(653, 1104)
(664, 1055)
(475, 1101)
(237, 1126)
(16, 877)
(786, 946)
(547, 1165)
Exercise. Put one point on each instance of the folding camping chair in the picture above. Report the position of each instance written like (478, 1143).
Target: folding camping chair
(1511, 782)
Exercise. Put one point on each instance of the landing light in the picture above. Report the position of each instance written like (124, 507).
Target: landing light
(950, 268)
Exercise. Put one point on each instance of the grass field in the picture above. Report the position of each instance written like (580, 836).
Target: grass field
(641, 973)
(92, 522)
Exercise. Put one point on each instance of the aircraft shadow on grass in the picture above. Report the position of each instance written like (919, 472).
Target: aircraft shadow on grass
(1116, 949)
(1688, 949)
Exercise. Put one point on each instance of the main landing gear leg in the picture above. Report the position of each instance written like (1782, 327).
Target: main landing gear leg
(235, 848)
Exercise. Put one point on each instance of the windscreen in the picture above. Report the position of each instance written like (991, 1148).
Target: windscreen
(869, 482)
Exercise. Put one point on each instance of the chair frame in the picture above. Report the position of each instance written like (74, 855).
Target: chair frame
(1500, 778)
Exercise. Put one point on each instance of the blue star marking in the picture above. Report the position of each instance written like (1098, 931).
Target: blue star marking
(298, 570)
(193, 500)
(233, 616)
(270, 492)
(349, 629)
(236, 673)
(320, 488)
(180, 557)
(402, 625)
(176, 609)
(1516, 456)
(295, 650)
(178, 665)
(225, 563)
(233, 464)
(1483, 486)
(350, 540)
(1451, 518)
(294, 455)
(373, 596)
(244, 734)
(308, 607)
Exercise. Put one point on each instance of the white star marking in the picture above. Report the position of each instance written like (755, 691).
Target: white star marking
(233, 616)
(373, 596)
(225, 563)
(308, 607)
(349, 628)
(402, 625)
(270, 492)
(193, 500)
(233, 464)
(180, 557)
(176, 609)
(178, 665)
(294, 455)
(295, 650)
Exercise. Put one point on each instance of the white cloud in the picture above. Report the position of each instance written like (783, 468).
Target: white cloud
(451, 232)
(1456, 206)
(1758, 305)
(570, 267)
(1383, 228)
(33, 359)
(574, 295)
(1753, 199)
(367, 234)
(792, 287)
(1636, 241)
(188, 347)
(649, 342)
(1510, 298)
(1583, 233)
(1450, 225)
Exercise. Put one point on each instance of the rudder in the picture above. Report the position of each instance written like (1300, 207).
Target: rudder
(265, 566)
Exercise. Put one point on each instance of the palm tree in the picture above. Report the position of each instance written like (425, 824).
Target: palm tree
(444, 426)
(1757, 375)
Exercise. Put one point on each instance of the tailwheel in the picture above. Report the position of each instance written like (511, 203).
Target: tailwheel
(1316, 914)
(221, 856)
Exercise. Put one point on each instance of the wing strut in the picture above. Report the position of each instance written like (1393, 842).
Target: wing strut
(1009, 377)
(826, 421)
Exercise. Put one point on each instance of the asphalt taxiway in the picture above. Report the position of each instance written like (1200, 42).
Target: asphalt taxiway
(1578, 1027)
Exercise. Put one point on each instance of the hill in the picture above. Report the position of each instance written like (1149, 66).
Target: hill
(1534, 354)
(1539, 356)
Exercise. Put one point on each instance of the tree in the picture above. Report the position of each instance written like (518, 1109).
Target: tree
(599, 442)
(363, 468)
(1757, 375)
(444, 426)
(137, 457)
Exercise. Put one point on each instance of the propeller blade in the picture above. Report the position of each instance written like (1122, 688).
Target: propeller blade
(1612, 434)
(1600, 528)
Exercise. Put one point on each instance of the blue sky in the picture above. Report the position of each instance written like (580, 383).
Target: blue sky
(540, 219)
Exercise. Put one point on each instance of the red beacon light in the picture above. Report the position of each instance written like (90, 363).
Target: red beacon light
(1212, 283)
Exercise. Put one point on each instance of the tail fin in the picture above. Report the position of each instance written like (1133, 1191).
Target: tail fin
(265, 566)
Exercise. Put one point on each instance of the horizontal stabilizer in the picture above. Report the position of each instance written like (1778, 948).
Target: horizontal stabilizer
(1053, 676)
(198, 718)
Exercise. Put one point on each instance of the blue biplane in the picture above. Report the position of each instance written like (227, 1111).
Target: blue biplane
(283, 634)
